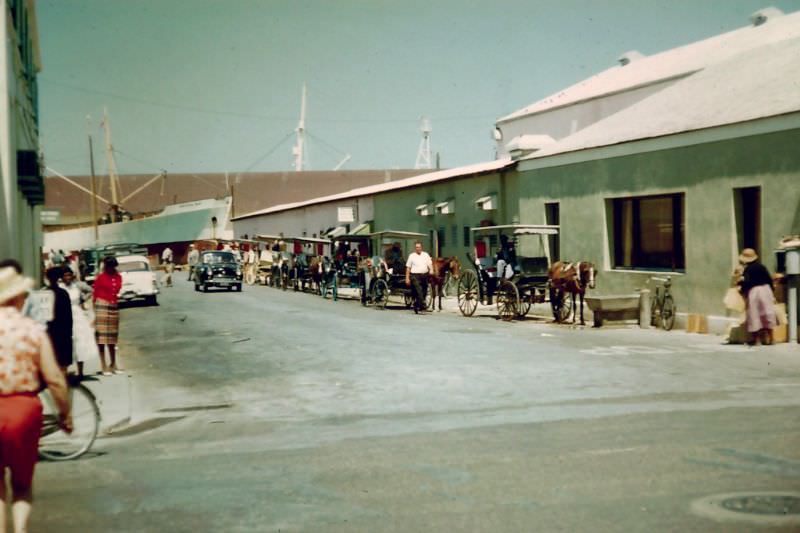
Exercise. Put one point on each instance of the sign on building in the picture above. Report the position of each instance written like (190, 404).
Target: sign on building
(50, 216)
(347, 214)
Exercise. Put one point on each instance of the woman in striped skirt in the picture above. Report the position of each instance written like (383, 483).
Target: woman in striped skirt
(105, 295)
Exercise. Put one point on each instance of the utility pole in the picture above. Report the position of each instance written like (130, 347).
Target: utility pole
(424, 152)
(94, 179)
(112, 166)
(299, 148)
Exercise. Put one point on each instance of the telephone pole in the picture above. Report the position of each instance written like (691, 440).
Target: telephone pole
(112, 165)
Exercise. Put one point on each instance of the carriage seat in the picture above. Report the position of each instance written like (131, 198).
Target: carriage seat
(533, 265)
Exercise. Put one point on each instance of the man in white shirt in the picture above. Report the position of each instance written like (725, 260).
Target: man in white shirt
(166, 259)
(194, 257)
(418, 267)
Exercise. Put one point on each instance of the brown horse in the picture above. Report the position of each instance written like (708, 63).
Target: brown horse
(572, 278)
(441, 266)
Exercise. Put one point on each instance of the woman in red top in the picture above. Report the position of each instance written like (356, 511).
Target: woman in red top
(105, 292)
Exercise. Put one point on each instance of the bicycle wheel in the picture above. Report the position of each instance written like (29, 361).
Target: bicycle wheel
(668, 313)
(55, 444)
(380, 294)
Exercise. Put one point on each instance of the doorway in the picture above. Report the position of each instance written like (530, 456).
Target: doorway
(747, 212)
(552, 217)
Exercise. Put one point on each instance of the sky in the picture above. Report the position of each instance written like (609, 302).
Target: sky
(197, 86)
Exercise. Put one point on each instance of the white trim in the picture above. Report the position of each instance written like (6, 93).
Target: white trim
(726, 132)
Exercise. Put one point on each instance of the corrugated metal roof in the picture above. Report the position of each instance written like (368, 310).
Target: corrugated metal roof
(414, 181)
(758, 83)
(674, 63)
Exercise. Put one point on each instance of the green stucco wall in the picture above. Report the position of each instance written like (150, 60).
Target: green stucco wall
(707, 174)
(397, 210)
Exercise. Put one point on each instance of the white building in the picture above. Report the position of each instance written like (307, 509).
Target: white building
(22, 191)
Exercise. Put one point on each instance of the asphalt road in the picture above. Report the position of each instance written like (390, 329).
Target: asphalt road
(276, 411)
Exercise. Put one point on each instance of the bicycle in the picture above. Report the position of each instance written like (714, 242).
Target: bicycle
(54, 443)
(662, 306)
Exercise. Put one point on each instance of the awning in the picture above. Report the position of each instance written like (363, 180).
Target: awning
(335, 232)
(362, 229)
(446, 208)
(487, 203)
(425, 210)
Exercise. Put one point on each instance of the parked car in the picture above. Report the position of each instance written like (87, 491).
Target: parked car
(138, 281)
(217, 269)
(89, 259)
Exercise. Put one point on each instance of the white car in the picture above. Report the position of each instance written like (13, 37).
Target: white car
(138, 281)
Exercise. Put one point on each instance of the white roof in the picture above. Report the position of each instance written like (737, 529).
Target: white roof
(670, 64)
(413, 181)
(761, 82)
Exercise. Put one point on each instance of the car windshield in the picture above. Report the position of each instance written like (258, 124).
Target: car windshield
(133, 266)
(218, 257)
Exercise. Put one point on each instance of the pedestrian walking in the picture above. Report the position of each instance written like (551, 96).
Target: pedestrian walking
(169, 266)
(27, 364)
(756, 284)
(194, 257)
(418, 267)
(59, 328)
(84, 347)
(105, 297)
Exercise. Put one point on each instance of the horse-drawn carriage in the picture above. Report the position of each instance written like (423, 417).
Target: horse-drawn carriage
(347, 267)
(387, 275)
(516, 283)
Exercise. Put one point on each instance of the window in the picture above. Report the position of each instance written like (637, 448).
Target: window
(454, 235)
(648, 232)
(441, 236)
(467, 232)
(747, 209)
(552, 217)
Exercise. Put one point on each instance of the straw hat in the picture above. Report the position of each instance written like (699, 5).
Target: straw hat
(748, 256)
(12, 284)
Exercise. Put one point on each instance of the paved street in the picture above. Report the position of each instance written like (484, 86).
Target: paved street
(277, 411)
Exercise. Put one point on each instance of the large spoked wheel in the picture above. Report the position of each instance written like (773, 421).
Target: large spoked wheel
(468, 293)
(55, 444)
(525, 302)
(668, 313)
(558, 303)
(251, 275)
(507, 300)
(380, 294)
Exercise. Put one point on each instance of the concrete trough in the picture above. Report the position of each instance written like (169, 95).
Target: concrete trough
(614, 307)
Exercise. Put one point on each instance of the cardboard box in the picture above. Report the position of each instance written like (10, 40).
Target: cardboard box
(780, 333)
(696, 323)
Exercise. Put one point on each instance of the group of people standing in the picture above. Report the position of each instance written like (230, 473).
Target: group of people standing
(35, 356)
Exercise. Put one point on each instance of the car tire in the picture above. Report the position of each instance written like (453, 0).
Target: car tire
(239, 288)
(151, 300)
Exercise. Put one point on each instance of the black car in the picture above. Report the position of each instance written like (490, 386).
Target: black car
(217, 269)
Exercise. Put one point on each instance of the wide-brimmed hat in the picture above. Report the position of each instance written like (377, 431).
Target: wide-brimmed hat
(12, 284)
(748, 255)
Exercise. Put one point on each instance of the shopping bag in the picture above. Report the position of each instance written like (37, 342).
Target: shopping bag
(734, 301)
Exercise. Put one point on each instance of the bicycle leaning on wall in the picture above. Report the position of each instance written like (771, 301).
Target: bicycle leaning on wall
(662, 306)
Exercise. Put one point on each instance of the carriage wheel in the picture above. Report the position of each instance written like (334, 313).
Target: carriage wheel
(668, 313)
(250, 276)
(525, 303)
(558, 302)
(380, 294)
(468, 293)
(507, 300)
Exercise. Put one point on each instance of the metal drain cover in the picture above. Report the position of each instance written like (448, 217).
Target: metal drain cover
(774, 508)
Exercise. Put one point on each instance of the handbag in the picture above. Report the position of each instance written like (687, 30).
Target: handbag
(734, 300)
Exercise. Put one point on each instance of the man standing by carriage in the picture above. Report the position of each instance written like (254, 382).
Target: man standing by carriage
(418, 267)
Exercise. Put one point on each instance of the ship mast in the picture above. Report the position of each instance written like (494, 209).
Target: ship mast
(112, 165)
(299, 148)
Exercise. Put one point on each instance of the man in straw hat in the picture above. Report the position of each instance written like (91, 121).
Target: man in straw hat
(26, 359)
(756, 285)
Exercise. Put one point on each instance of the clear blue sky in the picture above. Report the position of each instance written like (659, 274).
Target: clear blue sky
(214, 85)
